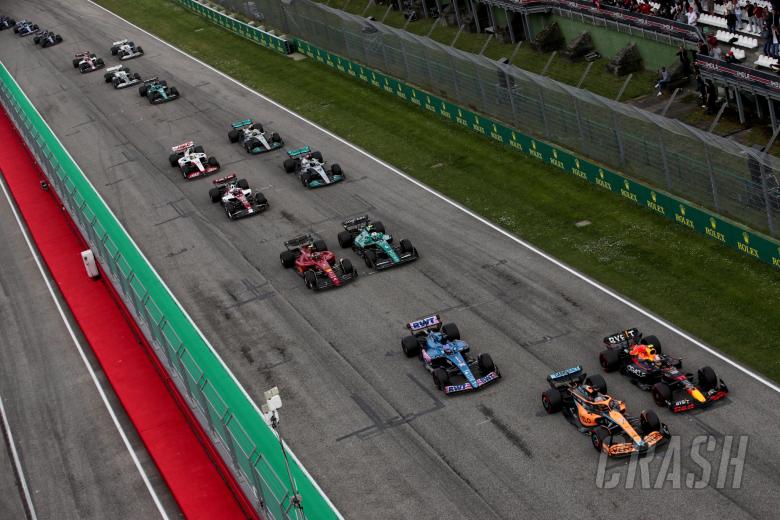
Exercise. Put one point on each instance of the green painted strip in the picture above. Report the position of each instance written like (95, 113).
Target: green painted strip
(229, 408)
(238, 27)
(715, 227)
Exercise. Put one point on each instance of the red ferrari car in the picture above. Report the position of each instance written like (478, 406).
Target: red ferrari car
(319, 267)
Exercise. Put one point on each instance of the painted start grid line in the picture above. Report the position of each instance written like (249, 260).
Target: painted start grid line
(195, 474)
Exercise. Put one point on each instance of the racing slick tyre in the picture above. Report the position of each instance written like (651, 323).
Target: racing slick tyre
(609, 360)
(305, 178)
(233, 136)
(406, 246)
(370, 258)
(336, 170)
(260, 199)
(114, 50)
(83, 67)
(345, 239)
(173, 159)
(136, 76)
(139, 50)
(346, 266)
(99, 62)
(243, 184)
(486, 364)
(600, 437)
(378, 226)
(215, 194)
(173, 92)
(652, 340)
(142, 90)
(289, 165)
(707, 379)
(154, 98)
(76, 63)
(597, 382)
(287, 258)
(441, 378)
(451, 331)
(213, 162)
(649, 421)
(257, 126)
(320, 245)
(276, 138)
(115, 82)
(552, 400)
(311, 279)
(317, 155)
(410, 346)
(198, 149)
(37, 40)
(662, 394)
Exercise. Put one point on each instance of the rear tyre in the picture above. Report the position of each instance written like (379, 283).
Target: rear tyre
(215, 194)
(552, 400)
(597, 382)
(243, 184)
(600, 437)
(486, 364)
(233, 136)
(441, 378)
(451, 331)
(410, 346)
(289, 165)
(609, 360)
(649, 421)
(652, 340)
(310, 279)
(345, 239)
(173, 159)
(320, 245)
(707, 379)
(662, 394)
(317, 155)
(287, 258)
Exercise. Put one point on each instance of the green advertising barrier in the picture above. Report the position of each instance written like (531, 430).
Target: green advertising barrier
(242, 29)
(712, 226)
(237, 428)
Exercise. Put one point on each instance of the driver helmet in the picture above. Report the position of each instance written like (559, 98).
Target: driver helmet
(645, 353)
(591, 391)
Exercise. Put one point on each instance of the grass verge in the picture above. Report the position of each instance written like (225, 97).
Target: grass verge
(709, 290)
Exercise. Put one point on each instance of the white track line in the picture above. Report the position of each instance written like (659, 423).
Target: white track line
(76, 342)
(17, 462)
(467, 211)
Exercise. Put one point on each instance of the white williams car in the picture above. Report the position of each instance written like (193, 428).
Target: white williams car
(126, 50)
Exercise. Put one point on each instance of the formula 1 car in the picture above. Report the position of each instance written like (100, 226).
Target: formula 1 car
(25, 28)
(158, 92)
(121, 77)
(6, 22)
(311, 168)
(126, 50)
(446, 356)
(47, 39)
(585, 404)
(369, 240)
(642, 360)
(238, 200)
(192, 160)
(318, 267)
(252, 137)
(86, 61)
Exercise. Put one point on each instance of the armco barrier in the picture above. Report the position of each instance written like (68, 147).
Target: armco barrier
(242, 29)
(684, 213)
(247, 444)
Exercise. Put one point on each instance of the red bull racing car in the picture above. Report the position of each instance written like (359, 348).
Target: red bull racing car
(643, 361)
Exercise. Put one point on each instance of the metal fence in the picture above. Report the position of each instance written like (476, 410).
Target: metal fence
(251, 469)
(717, 173)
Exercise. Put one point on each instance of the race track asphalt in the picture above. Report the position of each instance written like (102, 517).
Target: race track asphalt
(365, 420)
(73, 459)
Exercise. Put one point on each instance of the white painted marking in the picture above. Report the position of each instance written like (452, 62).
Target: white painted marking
(467, 211)
(17, 462)
(79, 347)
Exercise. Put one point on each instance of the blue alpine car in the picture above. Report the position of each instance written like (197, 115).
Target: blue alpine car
(447, 357)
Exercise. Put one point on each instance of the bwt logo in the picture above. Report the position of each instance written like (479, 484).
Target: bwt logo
(423, 323)
(708, 462)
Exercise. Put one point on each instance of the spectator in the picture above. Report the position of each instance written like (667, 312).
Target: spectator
(704, 48)
(730, 58)
(751, 14)
(738, 16)
(645, 8)
(758, 14)
(712, 97)
(731, 20)
(663, 80)
(685, 62)
(775, 32)
(728, 7)
(701, 88)
(693, 16)
(712, 41)
(717, 53)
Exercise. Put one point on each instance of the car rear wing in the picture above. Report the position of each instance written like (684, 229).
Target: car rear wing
(299, 151)
(183, 147)
(432, 322)
(151, 80)
(114, 68)
(356, 222)
(299, 241)
(241, 124)
(120, 42)
(625, 338)
(564, 377)
(222, 181)
(82, 54)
